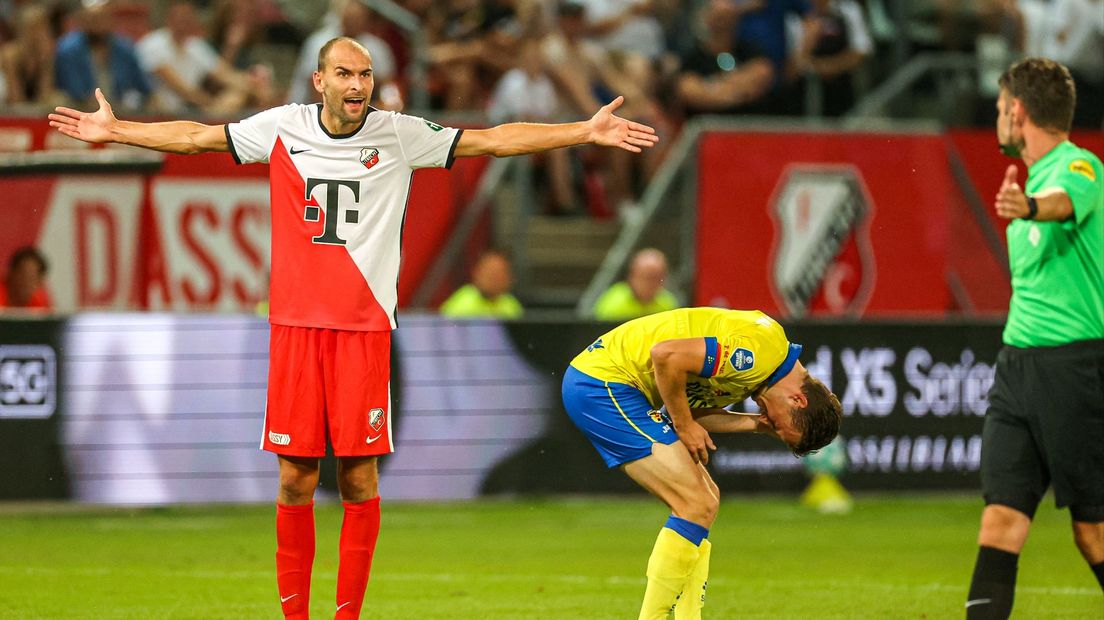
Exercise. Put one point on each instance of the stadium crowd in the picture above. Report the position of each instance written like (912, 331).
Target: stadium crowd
(532, 60)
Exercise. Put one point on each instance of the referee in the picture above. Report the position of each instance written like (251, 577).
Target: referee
(1045, 423)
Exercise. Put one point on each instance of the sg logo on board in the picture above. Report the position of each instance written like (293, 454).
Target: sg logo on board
(28, 381)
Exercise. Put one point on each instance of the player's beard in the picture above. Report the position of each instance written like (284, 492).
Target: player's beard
(336, 104)
(1013, 147)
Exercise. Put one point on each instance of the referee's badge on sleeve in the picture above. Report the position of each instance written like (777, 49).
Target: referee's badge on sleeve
(1083, 167)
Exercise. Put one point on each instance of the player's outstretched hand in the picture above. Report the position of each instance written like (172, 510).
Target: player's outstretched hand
(697, 441)
(1011, 202)
(87, 126)
(608, 129)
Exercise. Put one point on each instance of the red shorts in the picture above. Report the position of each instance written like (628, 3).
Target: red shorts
(328, 383)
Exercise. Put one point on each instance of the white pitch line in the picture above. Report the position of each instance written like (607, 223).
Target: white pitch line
(612, 580)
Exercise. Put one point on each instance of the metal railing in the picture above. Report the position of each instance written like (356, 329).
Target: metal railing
(679, 166)
(876, 103)
(466, 224)
(412, 29)
(682, 155)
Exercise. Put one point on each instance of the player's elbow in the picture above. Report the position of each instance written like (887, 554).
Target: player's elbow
(661, 354)
(192, 148)
(205, 139)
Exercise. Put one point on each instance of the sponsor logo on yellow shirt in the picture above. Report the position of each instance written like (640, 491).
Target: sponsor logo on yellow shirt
(742, 359)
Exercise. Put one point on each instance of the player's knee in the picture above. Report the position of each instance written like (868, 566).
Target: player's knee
(357, 489)
(701, 508)
(1089, 538)
(712, 507)
(296, 491)
(357, 479)
(1004, 528)
(297, 482)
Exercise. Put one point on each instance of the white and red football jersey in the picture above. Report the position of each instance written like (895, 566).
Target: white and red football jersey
(338, 206)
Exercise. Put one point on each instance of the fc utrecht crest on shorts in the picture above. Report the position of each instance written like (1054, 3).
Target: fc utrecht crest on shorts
(338, 206)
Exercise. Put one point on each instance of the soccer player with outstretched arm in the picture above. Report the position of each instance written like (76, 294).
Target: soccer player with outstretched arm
(647, 395)
(339, 175)
(1044, 427)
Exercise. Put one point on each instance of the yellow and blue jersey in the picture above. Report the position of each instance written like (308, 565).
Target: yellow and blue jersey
(744, 349)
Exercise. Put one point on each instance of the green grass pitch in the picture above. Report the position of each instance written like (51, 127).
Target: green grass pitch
(893, 557)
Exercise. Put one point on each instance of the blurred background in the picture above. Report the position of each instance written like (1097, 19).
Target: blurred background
(830, 162)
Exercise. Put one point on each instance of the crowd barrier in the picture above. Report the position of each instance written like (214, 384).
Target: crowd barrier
(159, 408)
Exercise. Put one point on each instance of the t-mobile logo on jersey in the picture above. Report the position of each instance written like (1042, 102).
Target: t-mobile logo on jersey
(333, 208)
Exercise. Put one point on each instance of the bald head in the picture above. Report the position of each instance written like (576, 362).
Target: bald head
(492, 274)
(647, 273)
(343, 47)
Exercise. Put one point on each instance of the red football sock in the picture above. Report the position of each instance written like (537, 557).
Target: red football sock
(294, 558)
(359, 532)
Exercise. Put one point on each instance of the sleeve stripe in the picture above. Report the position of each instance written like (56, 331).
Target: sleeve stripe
(452, 149)
(792, 353)
(230, 143)
(709, 366)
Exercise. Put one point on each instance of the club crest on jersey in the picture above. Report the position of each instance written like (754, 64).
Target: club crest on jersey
(822, 259)
(369, 157)
(375, 418)
(742, 359)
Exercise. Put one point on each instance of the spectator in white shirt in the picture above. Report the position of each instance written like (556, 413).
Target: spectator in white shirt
(526, 94)
(1076, 39)
(189, 73)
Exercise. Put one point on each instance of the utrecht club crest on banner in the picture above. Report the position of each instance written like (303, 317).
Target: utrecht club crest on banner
(822, 263)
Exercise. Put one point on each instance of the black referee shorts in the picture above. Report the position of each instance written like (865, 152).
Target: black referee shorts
(1045, 425)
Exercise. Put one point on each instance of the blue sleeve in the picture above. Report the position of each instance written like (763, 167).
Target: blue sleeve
(710, 364)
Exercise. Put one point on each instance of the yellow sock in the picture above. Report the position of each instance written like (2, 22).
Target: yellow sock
(669, 568)
(690, 604)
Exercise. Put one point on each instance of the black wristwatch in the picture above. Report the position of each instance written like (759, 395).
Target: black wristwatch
(1032, 208)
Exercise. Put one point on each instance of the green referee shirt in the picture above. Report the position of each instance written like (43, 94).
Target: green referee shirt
(619, 304)
(1058, 267)
(468, 303)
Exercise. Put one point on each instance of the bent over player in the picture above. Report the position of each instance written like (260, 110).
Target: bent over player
(693, 362)
(1045, 422)
(339, 175)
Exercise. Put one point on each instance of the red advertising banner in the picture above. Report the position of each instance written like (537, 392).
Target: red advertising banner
(830, 224)
(817, 224)
(822, 224)
(192, 237)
